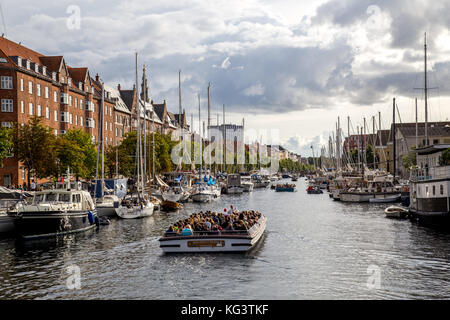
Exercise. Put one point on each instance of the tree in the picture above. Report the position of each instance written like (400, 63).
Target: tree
(75, 150)
(34, 145)
(445, 158)
(409, 160)
(6, 144)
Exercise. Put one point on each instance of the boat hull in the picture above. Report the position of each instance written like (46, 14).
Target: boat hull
(136, 212)
(106, 211)
(39, 225)
(364, 197)
(219, 243)
(6, 224)
(202, 197)
(235, 190)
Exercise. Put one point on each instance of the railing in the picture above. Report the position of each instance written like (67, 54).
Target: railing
(216, 233)
(425, 174)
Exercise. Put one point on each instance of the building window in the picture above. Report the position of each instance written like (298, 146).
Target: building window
(22, 85)
(435, 141)
(39, 110)
(110, 126)
(64, 116)
(46, 93)
(70, 118)
(28, 64)
(55, 96)
(64, 98)
(7, 124)
(434, 190)
(56, 131)
(47, 112)
(76, 119)
(76, 102)
(38, 90)
(30, 87)
(441, 187)
(70, 100)
(22, 106)
(6, 82)
(55, 115)
(81, 103)
(30, 109)
(7, 105)
(81, 121)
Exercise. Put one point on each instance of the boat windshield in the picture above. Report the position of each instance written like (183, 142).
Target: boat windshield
(64, 197)
(51, 197)
(38, 198)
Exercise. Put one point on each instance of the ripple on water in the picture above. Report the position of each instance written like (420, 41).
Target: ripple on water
(314, 248)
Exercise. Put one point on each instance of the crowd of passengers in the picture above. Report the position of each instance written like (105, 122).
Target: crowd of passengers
(214, 223)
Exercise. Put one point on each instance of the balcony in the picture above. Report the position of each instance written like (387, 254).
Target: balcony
(90, 123)
(90, 106)
(433, 173)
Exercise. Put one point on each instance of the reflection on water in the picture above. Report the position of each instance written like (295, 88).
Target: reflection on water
(313, 248)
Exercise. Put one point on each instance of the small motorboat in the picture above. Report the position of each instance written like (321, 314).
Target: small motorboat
(171, 205)
(387, 199)
(314, 190)
(285, 188)
(396, 212)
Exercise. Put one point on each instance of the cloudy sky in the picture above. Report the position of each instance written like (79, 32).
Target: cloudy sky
(290, 65)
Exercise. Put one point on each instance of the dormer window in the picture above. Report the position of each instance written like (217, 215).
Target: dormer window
(19, 61)
(28, 64)
(92, 89)
(69, 81)
(62, 79)
(80, 85)
(54, 76)
(36, 68)
(44, 70)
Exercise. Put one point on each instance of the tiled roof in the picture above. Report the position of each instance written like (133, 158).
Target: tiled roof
(119, 104)
(438, 129)
(52, 63)
(78, 74)
(128, 97)
(11, 48)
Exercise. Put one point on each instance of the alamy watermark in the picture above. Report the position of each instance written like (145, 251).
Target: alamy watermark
(374, 279)
(74, 19)
(73, 281)
(229, 148)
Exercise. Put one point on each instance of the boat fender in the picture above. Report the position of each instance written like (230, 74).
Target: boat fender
(91, 217)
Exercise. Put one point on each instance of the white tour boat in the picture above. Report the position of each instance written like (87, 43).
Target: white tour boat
(231, 241)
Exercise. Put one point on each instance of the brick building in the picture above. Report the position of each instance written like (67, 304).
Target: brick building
(66, 98)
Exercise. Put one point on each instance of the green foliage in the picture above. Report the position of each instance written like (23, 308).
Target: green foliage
(6, 144)
(34, 145)
(75, 150)
(409, 160)
(445, 158)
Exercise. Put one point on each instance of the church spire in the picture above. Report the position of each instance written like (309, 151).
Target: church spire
(144, 86)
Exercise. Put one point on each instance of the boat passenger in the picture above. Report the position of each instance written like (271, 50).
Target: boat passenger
(187, 231)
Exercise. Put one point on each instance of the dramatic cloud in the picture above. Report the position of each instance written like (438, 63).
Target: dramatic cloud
(262, 57)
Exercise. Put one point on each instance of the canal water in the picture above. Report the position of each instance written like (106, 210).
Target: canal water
(313, 248)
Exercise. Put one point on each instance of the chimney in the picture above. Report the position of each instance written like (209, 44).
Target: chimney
(97, 78)
(118, 87)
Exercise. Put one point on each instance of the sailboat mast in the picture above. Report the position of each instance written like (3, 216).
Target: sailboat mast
(103, 140)
(417, 129)
(426, 89)
(144, 94)
(200, 142)
(394, 151)
(138, 138)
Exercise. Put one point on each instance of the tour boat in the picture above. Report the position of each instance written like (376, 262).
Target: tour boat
(10, 200)
(56, 212)
(224, 241)
(396, 212)
(285, 188)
